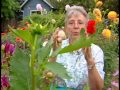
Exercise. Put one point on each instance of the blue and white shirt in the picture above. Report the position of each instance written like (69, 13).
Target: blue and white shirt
(76, 65)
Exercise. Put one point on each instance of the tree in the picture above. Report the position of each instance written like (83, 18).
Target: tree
(60, 4)
(112, 5)
(8, 8)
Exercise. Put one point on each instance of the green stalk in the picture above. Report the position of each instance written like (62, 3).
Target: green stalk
(32, 68)
(33, 49)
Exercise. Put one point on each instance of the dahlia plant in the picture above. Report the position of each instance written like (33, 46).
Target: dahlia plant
(31, 72)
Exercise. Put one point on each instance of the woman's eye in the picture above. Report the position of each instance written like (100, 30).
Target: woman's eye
(80, 22)
(70, 22)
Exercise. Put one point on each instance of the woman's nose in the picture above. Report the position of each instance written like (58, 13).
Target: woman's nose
(76, 25)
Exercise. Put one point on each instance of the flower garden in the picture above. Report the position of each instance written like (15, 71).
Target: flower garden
(24, 58)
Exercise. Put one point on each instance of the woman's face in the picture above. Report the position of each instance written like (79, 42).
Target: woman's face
(74, 25)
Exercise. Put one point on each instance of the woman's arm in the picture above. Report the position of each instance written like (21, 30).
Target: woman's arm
(95, 80)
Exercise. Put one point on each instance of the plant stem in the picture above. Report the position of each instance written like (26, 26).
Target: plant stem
(32, 68)
(33, 49)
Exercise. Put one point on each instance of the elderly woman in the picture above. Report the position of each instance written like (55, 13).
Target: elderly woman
(83, 65)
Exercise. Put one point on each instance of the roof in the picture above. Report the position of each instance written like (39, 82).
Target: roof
(46, 1)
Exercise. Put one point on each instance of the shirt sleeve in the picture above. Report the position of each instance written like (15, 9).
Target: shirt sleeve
(99, 60)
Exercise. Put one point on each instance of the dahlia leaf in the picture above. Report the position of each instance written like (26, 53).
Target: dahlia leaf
(44, 52)
(20, 72)
(80, 43)
(25, 35)
(58, 69)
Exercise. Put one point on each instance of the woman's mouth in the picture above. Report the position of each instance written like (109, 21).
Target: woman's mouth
(76, 33)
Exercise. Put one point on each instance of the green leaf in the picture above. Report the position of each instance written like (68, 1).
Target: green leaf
(44, 52)
(20, 72)
(80, 43)
(82, 32)
(55, 53)
(25, 35)
(58, 69)
(31, 21)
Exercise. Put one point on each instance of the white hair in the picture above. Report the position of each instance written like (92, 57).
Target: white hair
(75, 9)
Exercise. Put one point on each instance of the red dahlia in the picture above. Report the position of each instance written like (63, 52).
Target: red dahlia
(91, 27)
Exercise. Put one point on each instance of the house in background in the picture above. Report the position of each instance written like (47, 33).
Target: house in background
(29, 6)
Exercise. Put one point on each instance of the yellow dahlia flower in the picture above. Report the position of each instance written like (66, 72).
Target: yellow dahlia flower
(116, 20)
(106, 33)
(97, 12)
(98, 19)
(99, 4)
(112, 15)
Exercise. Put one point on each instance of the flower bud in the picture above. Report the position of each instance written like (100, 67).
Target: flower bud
(3, 34)
(12, 49)
(61, 35)
(26, 23)
(111, 25)
(24, 28)
(116, 20)
(97, 12)
(99, 4)
(2, 47)
(18, 39)
(53, 21)
(58, 0)
(41, 27)
(49, 75)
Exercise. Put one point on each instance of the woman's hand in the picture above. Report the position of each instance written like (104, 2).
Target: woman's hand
(87, 53)
(57, 37)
